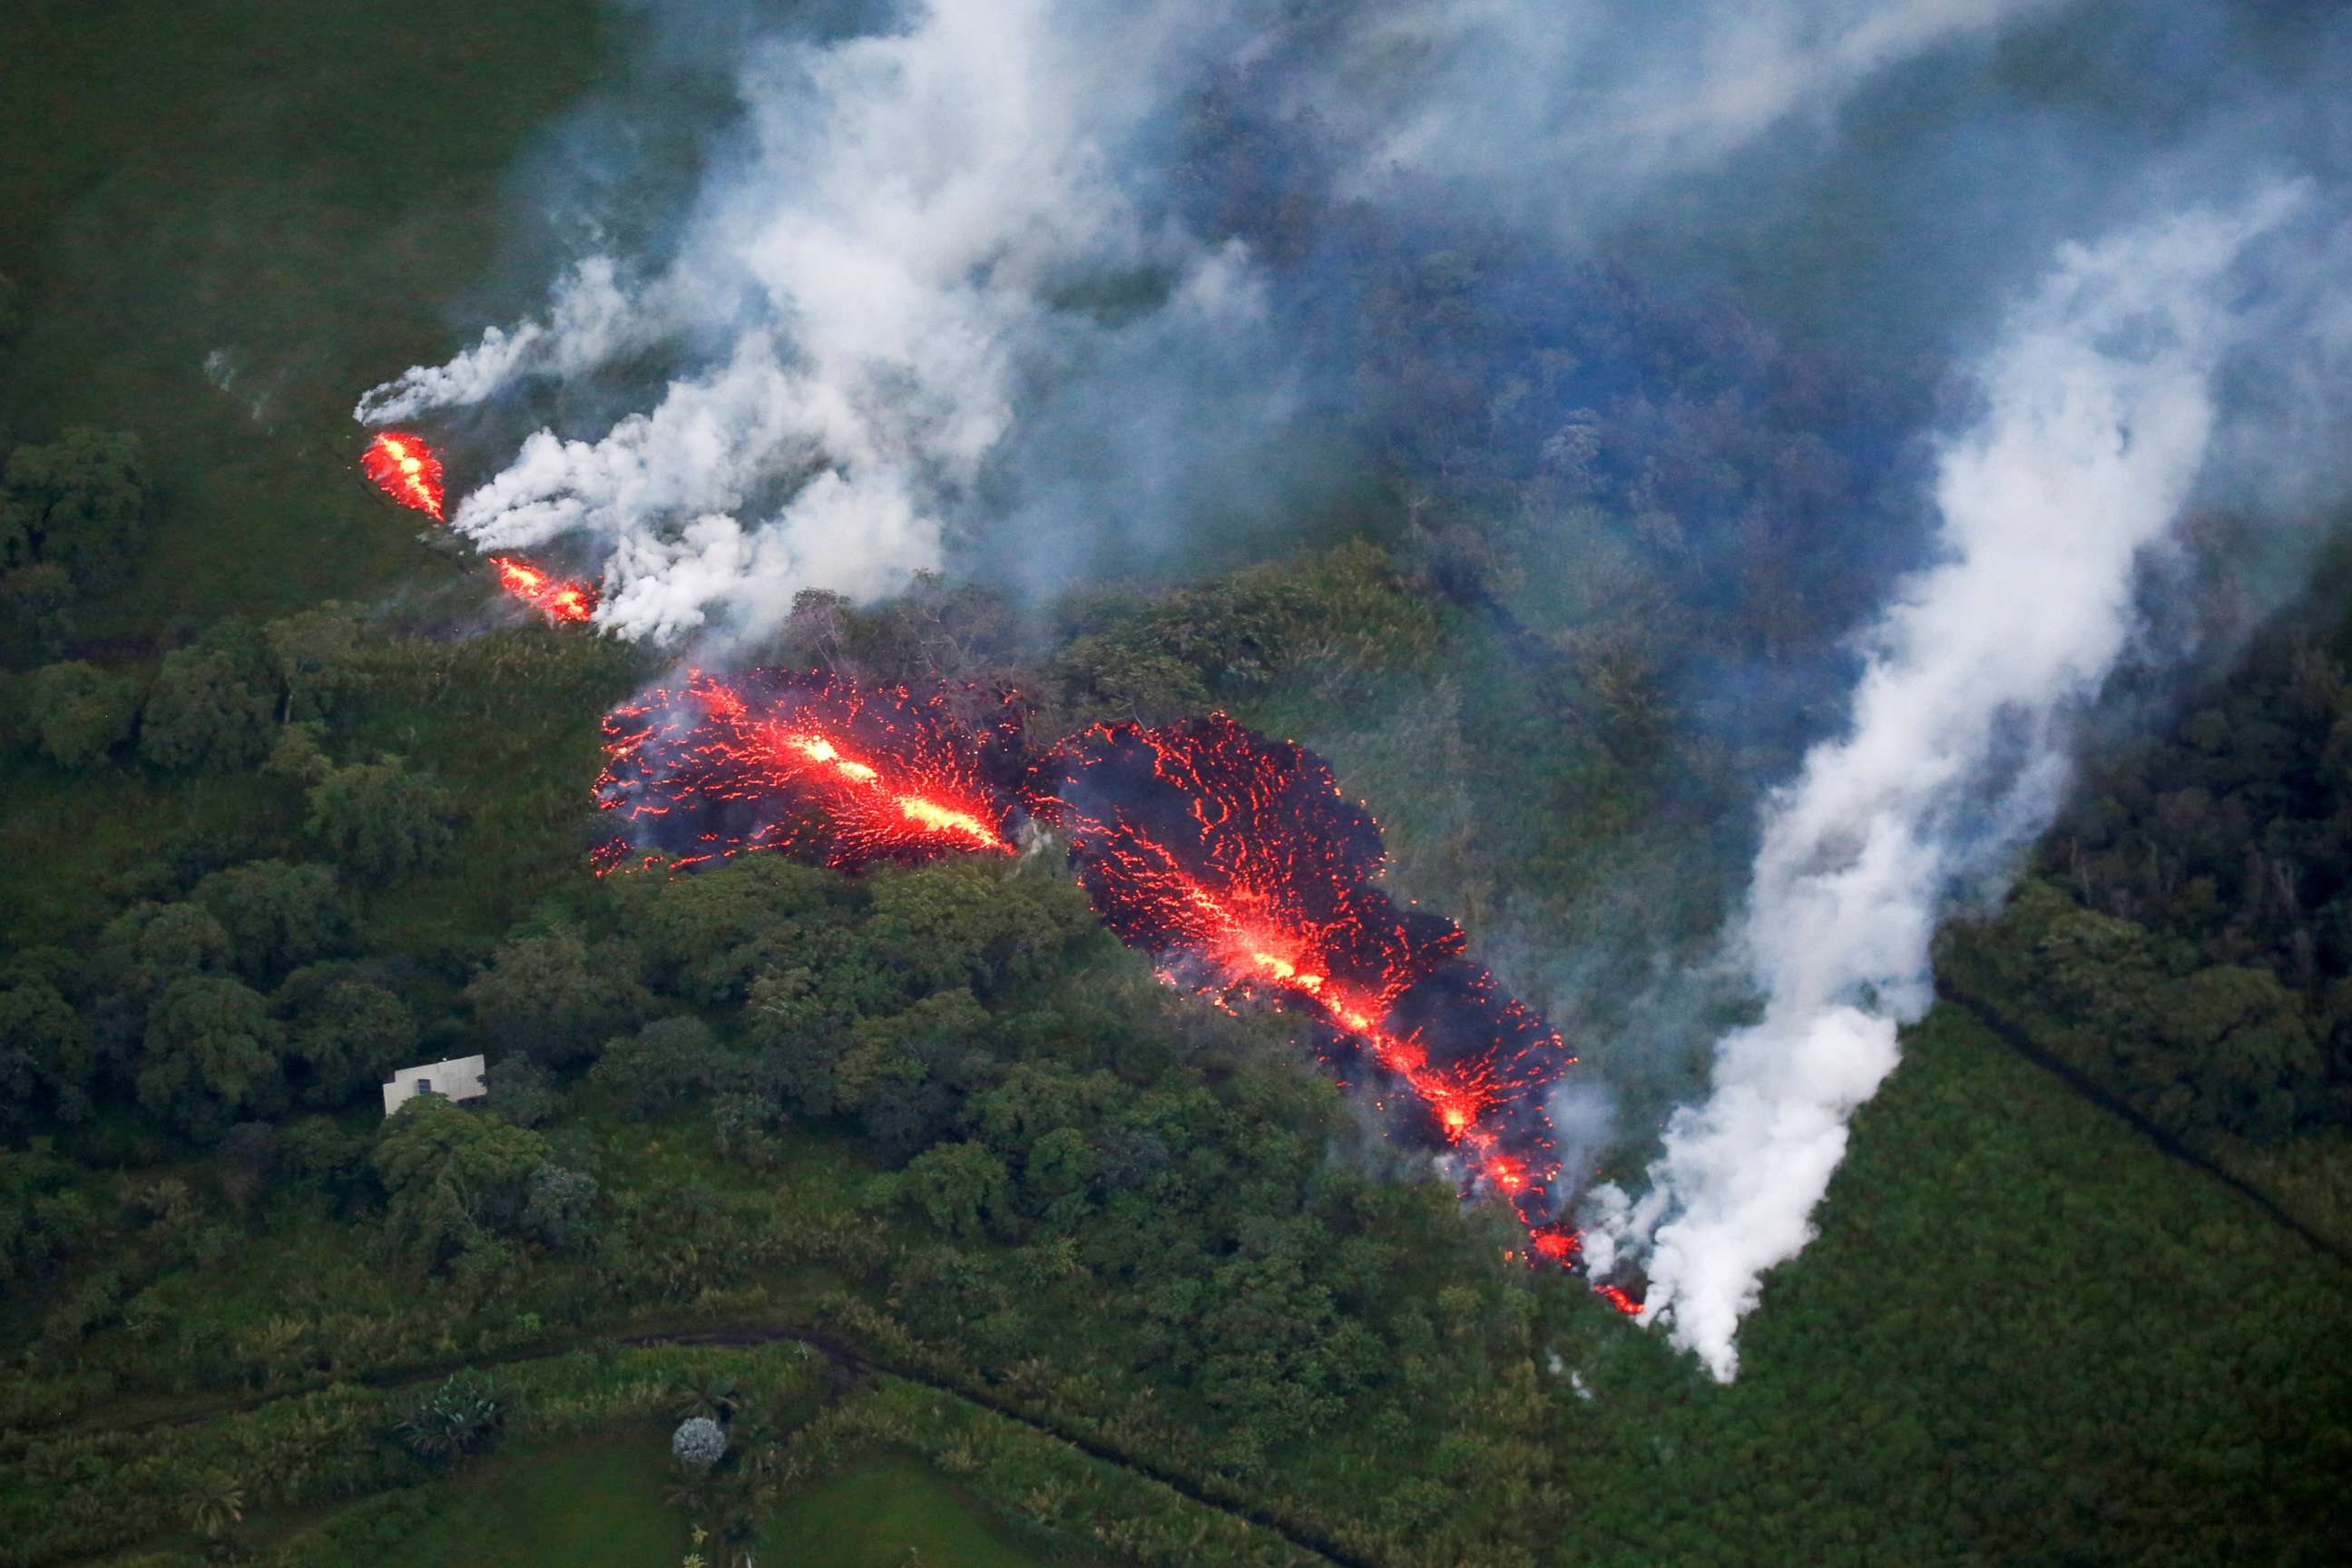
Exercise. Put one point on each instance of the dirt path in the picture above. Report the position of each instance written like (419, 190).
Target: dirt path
(850, 1367)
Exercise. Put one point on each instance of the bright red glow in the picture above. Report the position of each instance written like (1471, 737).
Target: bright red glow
(811, 763)
(1237, 862)
(405, 469)
(557, 598)
(1233, 860)
(1619, 1299)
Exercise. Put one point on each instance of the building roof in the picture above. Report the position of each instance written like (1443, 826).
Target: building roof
(459, 1077)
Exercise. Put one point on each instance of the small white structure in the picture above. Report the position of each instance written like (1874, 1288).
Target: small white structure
(459, 1078)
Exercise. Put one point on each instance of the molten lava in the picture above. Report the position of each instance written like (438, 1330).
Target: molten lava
(557, 598)
(812, 763)
(1233, 860)
(1237, 862)
(405, 469)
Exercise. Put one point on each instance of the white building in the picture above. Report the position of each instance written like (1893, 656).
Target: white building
(460, 1079)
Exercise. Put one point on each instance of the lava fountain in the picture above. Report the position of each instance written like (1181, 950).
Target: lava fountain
(403, 468)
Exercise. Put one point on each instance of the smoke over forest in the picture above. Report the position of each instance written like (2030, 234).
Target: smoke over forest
(1907, 342)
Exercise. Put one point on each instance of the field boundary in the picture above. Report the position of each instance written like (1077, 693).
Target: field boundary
(2017, 1038)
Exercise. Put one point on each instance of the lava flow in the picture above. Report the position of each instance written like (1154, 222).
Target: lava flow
(811, 763)
(405, 469)
(1237, 861)
(1233, 860)
(557, 598)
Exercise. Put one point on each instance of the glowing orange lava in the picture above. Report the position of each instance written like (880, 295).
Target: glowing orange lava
(813, 763)
(1234, 860)
(405, 469)
(1237, 861)
(559, 599)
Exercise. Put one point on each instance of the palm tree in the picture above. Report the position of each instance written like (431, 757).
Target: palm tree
(213, 1503)
(717, 1397)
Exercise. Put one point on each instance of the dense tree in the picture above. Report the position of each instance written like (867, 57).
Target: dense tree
(43, 1220)
(277, 916)
(380, 819)
(962, 1187)
(82, 713)
(149, 945)
(210, 1052)
(36, 613)
(965, 922)
(454, 1178)
(78, 503)
(555, 998)
(211, 706)
(315, 655)
(705, 937)
(557, 1207)
(666, 1064)
(47, 1066)
(344, 1034)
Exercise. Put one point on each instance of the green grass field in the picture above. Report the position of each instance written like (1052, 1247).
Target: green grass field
(891, 1513)
(594, 1506)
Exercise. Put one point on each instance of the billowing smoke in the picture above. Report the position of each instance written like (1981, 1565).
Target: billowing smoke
(872, 276)
(2098, 409)
(925, 231)
(979, 288)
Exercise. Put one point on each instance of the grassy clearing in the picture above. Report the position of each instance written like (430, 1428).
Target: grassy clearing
(300, 190)
(888, 1514)
(2024, 1335)
(595, 1505)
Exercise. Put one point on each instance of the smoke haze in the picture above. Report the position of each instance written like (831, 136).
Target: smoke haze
(2099, 409)
(926, 230)
(1047, 290)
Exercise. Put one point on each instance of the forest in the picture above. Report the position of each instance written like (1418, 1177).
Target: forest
(799, 1196)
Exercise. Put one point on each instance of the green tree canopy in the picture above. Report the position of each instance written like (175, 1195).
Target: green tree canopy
(150, 945)
(380, 819)
(78, 503)
(454, 1176)
(277, 916)
(707, 935)
(344, 1032)
(667, 1063)
(960, 1187)
(968, 922)
(46, 1064)
(36, 613)
(210, 1054)
(82, 713)
(315, 655)
(554, 998)
(212, 706)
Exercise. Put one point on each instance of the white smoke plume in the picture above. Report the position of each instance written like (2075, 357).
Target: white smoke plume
(589, 320)
(1496, 92)
(2098, 417)
(872, 285)
(910, 203)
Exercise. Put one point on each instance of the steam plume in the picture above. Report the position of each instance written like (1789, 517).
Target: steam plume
(896, 262)
(2098, 413)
